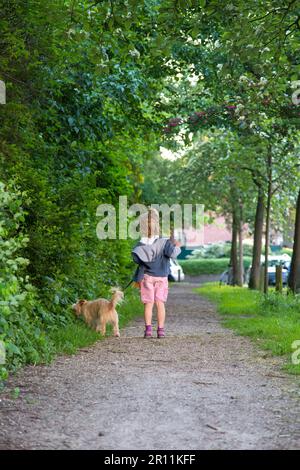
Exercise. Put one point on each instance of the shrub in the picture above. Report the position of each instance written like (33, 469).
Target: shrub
(217, 250)
(195, 267)
(287, 251)
(36, 324)
(20, 326)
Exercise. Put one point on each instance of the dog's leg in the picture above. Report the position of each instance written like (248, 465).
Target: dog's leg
(103, 327)
(116, 324)
(100, 326)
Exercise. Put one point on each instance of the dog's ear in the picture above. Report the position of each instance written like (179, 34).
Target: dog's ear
(82, 301)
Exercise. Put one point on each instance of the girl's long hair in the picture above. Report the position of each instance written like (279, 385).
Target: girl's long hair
(149, 223)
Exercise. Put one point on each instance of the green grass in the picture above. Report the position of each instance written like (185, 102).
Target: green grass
(74, 336)
(77, 334)
(194, 267)
(272, 322)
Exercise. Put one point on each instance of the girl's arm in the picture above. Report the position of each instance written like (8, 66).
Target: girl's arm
(136, 259)
(171, 249)
(139, 272)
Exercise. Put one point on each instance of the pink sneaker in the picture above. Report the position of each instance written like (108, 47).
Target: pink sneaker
(148, 331)
(160, 332)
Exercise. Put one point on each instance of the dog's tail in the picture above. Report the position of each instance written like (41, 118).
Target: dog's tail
(117, 296)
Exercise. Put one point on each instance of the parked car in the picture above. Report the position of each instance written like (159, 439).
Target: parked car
(273, 261)
(272, 270)
(176, 271)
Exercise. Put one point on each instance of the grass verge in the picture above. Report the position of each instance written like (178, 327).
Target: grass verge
(272, 321)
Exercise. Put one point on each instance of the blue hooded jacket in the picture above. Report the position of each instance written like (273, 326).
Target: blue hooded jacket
(154, 259)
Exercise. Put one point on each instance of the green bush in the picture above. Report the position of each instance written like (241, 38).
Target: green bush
(20, 326)
(36, 324)
(195, 267)
(287, 251)
(217, 250)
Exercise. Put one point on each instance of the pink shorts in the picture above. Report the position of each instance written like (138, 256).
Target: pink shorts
(153, 289)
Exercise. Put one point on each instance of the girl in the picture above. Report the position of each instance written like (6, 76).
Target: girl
(152, 254)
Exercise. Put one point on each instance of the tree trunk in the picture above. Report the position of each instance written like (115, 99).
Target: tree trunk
(294, 276)
(278, 279)
(241, 257)
(268, 220)
(234, 249)
(254, 281)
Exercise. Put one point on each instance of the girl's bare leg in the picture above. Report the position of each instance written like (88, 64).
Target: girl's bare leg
(161, 314)
(148, 309)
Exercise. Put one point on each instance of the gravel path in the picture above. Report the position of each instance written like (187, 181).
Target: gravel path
(200, 388)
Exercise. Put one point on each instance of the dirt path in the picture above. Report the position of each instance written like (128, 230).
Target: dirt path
(200, 388)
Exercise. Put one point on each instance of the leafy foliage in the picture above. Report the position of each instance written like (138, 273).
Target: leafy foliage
(195, 267)
(217, 250)
(20, 325)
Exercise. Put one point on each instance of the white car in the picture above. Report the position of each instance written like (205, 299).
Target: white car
(285, 261)
(176, 271)
(273, 260)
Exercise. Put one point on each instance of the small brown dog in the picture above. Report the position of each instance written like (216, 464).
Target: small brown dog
(97, 313)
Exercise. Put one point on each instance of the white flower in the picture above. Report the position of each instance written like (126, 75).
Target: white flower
(263, 134)
(239, 108)
(134, 53)
(263, 81)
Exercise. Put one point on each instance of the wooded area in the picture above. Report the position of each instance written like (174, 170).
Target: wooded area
(93, 89)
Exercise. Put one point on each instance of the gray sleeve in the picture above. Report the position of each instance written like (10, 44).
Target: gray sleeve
(170, 250)
(135, 258)
(176, 252)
